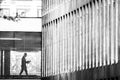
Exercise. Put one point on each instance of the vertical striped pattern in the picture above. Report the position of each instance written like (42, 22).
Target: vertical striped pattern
(84, 38)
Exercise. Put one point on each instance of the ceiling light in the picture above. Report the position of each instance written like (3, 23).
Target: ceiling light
(10, 39)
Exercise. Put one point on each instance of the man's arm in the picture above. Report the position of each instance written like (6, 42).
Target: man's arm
(28, 61)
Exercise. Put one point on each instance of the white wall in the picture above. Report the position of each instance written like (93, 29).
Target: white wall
(24, 24)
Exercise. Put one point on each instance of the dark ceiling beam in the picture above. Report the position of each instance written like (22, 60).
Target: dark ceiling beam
(21, 40)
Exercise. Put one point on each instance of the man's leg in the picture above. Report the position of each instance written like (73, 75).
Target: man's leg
(21, 71)
(26, 71)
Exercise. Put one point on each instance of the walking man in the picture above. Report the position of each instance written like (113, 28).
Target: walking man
(23, 64)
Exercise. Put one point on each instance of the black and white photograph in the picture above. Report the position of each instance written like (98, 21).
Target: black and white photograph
(59, 40)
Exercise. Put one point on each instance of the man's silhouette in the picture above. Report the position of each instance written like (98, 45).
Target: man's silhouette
(23, 66)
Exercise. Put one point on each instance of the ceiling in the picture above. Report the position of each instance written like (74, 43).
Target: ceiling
(20, 41)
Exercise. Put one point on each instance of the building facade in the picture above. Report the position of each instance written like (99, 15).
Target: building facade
(80, 39)
(24, 8)
(22, 15)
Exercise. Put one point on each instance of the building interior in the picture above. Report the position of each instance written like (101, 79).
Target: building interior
(20, 32)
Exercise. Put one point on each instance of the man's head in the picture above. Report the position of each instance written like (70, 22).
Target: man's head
(25, 54)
